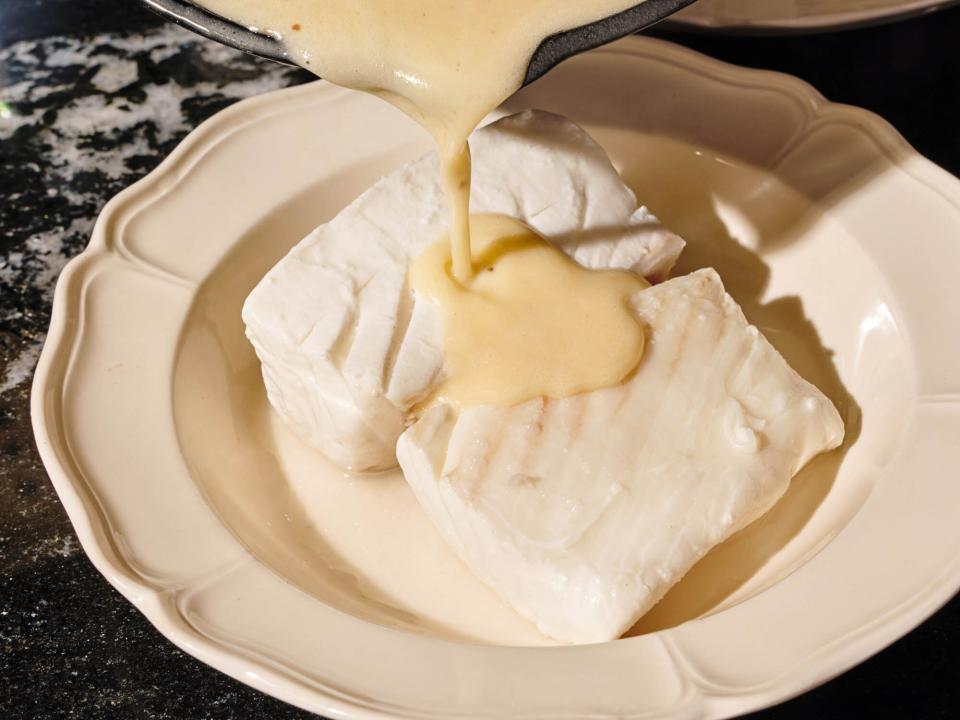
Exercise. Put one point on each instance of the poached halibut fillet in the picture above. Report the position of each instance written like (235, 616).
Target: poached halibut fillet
(582, 512)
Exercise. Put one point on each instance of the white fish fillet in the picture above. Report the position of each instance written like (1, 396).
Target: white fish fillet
(583, 512)
(347, 349)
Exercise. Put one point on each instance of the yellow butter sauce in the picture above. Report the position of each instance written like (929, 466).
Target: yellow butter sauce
(531, 322)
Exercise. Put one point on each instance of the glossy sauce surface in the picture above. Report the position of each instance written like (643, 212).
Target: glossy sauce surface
(445, 63)
(531, 322)
(513, 332)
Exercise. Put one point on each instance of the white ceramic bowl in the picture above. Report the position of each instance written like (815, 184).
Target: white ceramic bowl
(250, 552)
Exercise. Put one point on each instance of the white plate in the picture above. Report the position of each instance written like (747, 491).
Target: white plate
(798, 15)
(250, 552)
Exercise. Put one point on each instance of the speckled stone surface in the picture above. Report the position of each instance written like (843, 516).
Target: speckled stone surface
(93, 94)
(81, 118)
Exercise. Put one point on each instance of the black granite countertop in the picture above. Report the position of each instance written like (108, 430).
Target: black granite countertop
(93, 94)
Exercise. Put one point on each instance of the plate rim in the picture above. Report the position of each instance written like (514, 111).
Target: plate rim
(86, 515)
(691, 21)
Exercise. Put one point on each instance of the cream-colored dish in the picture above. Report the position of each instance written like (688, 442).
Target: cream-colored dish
(798, 15)
(336, 594)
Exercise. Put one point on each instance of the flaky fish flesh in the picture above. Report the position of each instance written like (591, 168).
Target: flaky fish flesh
(347, 349)
(582, 512)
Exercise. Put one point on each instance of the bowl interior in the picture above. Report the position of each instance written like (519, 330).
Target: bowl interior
(361, 543)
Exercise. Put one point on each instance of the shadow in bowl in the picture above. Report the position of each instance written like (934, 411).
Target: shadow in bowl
(768, 216)
(713, 583)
